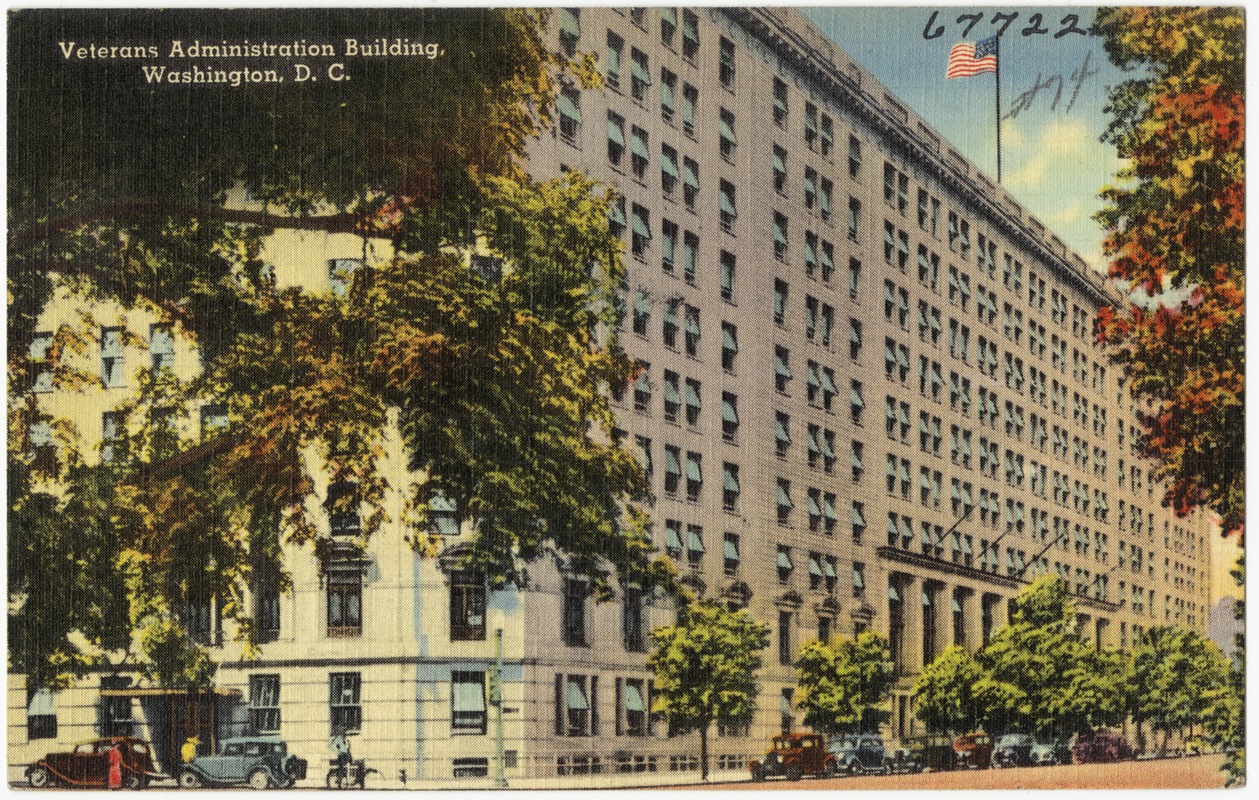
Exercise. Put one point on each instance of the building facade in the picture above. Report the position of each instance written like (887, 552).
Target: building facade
(868, 398)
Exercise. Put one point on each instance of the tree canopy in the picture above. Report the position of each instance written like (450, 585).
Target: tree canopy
(1175, 225)
(844, 684)
(162, 199)
(705, 669)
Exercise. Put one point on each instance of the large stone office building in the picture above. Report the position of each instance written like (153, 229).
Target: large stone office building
(869, 398)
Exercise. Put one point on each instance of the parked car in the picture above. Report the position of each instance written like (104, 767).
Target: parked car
(934, 751)
(972, 751)
(794, 755)
(1013, 750)
(855, 754)
(261, 762)
(1055, 751)
(87, 766)
(1099, 748)
(903, 762)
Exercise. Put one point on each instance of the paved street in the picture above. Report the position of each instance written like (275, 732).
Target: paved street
(1201, 772)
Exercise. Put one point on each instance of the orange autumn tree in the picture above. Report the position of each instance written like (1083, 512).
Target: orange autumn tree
(1175, 225)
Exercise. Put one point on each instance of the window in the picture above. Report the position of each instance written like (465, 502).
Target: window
(784, 502)
(635, 708)
(672, 469)
(854, 218)
(780, 169)
(695, 545)
(467, 702)
(782, 368)
(784, 563)
(632, 619)
(782, 433)
(111, 357)
(467, 606)
(810, 186)
(111, 434)
(690, 256)
(727, 276)
(780, 236)
(641, 233)
(857, 402)
(690, 182)
(780, 101)
(570, 29)
(726, 201)
(161, 347)
(731, 553)
(854, 277)
(690, 35)
(668, 94)
(729, 345)
(694, 476)
(826, 190)
(692, 402)
(41, 715)
(691, 330)
(264, 703)
(574, 612)
(569, 103)
(267, 607)
(785, 653)
(858, 519)
(726, 65)
(672, 396)
(345, 599)
(343, 702)
(616, 217)
(612, 61)
(730, 486)
(640, 154)
(575, 709)
(341, 273)
(616, 138)
(828, 135)
(690, 99)
(669, 325)
(780, 301)
(668, 25)
(41, 367)
(640, 75)
(642, 387)
(668, 181)
(854, 157)
(342, 506)
(729, 416)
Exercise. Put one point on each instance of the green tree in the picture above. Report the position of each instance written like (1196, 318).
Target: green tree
(1044, 678)
(953, 693)
(1175, 226)
(1176, 675)
(705, 669)
(136, 199)
(844, 684)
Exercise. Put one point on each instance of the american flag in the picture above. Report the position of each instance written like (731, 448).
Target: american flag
(968, 59)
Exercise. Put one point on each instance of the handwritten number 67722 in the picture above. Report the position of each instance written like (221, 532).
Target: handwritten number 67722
(1002, 21)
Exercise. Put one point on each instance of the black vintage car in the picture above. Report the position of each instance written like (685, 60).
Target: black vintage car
(858, 753)
(262, 762)
(1013, 750)
(934, 751)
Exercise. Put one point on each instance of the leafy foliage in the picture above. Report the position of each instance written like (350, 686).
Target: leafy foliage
(844, 684)
(1176, 235)
(1176, 675)
(953, 693)
(705, 669)
(163, 201)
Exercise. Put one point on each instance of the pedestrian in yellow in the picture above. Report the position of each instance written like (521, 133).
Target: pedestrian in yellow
(189, 751)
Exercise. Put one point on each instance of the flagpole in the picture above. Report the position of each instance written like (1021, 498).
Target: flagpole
(998, 79)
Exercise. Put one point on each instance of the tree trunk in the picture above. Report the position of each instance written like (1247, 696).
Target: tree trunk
(703, 751)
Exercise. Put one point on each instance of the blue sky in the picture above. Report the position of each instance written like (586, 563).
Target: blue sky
(1052, 159)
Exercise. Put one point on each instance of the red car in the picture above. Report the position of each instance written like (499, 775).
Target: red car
(1100, 748)
(972, 751)
(88, 765)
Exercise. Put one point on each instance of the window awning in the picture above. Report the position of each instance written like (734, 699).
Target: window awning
(828, 568)
(828, 385)
(727, 203)
(731, 550)
(892, 593)
(671, 464)
(671, 539)
(577, 697)
(569, 24)
(633, 698)
(858, 580)
(638, 145)
(728, 340)
(728, 412)
(568, 108)
(692, 469)
(640, 226)
(784, 560)
(814, 510)
(723, 125)
(639, 71)
(671, 392)
(615, 134)
(780, 366)
(689, 178)
(693, 541)
(784, 499)
(731, 481)
(668, 165)
(692, 395)
(781, 431)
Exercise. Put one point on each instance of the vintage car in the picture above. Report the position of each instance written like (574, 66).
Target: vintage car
(859, 753)
(1100, 748)
(903, 762)
(262, 762)
(934, 750)
(1013, 750)
(794, 755)
(87, 766)
(972, 751)
(1049, 752)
